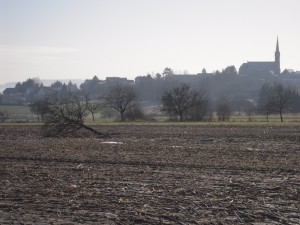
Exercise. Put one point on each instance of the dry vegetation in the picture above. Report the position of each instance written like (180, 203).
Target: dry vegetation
(151, 175)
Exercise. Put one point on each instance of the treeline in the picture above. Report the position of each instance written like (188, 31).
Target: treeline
(199, 97)
(182, 103)
(278, 99)
(187, 104)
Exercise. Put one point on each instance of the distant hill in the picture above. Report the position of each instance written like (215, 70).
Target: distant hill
(45, 82)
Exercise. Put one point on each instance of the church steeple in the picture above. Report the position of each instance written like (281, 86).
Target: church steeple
(277, 59)
(277, 45)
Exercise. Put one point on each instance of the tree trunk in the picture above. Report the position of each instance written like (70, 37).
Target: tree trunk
(91, 129)
(93, 117)
(281, 119)
(267, 117)
(181, 117)
(122, 116)
(84, 126)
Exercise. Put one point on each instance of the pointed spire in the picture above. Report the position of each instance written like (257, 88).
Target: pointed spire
(277, 45)
(277, 59)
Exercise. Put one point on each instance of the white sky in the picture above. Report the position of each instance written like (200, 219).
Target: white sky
(62, 39)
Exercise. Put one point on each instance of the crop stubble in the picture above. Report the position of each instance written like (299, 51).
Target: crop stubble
(152, 175)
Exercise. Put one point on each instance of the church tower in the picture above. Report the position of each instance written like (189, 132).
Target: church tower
(277, 60)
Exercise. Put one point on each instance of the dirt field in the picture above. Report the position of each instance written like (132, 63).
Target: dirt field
(152, 175)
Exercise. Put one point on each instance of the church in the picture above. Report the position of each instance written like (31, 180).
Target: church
(262, 68)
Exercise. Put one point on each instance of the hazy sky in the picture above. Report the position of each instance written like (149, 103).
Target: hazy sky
(58, 39)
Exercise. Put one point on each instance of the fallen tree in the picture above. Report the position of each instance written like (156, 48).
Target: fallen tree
(66, 115)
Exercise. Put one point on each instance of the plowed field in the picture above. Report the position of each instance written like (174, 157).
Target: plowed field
(151, 174)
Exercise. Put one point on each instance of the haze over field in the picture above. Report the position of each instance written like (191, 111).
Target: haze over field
(63, 39)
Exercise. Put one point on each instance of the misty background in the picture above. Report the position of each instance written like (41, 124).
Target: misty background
(73, 39)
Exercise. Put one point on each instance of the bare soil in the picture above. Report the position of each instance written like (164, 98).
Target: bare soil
(151, 174)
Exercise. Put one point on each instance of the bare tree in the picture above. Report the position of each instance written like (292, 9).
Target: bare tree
(40, 108)
(135, 113)
(3, 115)
(92, 105)
(66, 116)
(120, 97)
(223, 112)
(181, 99)
(199, 112)
(280, 99)
(275, 98)
(249, 108)
(264, 102)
